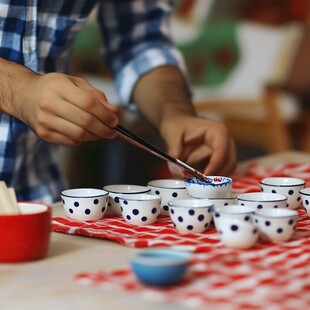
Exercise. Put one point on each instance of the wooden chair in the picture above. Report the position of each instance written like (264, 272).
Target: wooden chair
(261, 120)
(269, 131)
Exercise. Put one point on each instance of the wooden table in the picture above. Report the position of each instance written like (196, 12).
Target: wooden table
(49, 283)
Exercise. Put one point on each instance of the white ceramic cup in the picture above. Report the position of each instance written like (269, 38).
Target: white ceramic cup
(85, 204)
(236, 233)
(140, 209)
(168, 189)
(236, 211)
(116, 190)
(261, 200)
(276, 225)
(287, 186)
(214, 187)
(190, 216)
(305, 199)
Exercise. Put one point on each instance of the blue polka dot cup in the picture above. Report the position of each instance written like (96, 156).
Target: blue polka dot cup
(168, 189)
(140, 209)
(243, 213)
(287, 186)
(305, 199)
(236, 233)
(85, 204)
(260, 200)
(116, 190)
(275, 225)
(190, 216)
(214, 187)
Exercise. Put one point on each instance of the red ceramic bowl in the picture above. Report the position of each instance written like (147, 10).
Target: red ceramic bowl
(25, 236)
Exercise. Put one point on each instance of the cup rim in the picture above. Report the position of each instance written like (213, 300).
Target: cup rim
(74, 192)
(196, 181)
(233, 220)
(217, 198)
(142, 188)
(234, 209)
(271, 213)
(38, 210)
(269, 182)
(140, 197)
(281, 197)
(188, 203)
(155, 184)
(305, 191)
(161, 257)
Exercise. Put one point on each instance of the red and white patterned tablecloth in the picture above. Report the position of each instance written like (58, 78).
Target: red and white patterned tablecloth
(272, 276)
(275, 277)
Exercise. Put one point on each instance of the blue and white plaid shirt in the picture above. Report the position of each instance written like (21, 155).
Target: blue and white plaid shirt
(39, 34)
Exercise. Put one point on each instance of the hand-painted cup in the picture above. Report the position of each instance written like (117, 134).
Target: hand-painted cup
(213, 187)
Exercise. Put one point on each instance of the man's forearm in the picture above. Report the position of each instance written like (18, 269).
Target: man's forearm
(163, 93)
(12, 77)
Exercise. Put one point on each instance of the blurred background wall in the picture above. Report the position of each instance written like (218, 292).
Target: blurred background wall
(248, 62)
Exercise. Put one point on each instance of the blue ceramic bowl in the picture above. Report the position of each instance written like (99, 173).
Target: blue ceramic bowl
(160, 267)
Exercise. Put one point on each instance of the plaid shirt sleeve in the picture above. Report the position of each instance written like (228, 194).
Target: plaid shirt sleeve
(38, 35)
(137, 39)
